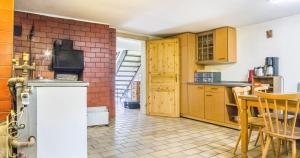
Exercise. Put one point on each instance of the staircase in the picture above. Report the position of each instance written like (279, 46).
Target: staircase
(128, 65)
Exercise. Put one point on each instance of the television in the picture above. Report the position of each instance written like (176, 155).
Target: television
(68, 61)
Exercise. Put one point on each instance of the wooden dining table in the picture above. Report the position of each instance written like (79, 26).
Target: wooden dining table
(252, 101)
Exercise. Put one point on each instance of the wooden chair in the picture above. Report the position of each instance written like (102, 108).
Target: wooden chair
(253, 122)
(273, 127)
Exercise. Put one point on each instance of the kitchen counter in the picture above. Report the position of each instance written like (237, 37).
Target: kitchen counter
(224, 83)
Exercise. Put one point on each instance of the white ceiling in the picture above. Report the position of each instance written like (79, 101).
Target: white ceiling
(162, 17)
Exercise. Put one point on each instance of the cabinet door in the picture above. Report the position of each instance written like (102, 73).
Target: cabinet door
(214, 106)
(183, 42)
(196, 101)
(221, 45)
(184, 109)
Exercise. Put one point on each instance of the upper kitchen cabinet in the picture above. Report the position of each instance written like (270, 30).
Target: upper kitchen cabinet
(217, 46)
(188, 66)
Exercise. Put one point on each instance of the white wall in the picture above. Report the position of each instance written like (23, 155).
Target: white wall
(143, 78)
(128, 44)
(253, 47)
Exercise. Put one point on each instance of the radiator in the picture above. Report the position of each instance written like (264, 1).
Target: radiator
(98, 116)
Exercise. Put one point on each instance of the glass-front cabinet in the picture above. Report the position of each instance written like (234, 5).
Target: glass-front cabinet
(217, 46)
(206, 46)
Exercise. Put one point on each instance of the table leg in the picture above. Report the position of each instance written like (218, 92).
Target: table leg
(244, 130)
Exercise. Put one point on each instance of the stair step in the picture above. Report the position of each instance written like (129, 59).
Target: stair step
(128, 65)
(135, 66)
(126, 71)
(133, 55)
(123, 80)
(124, 76)
(121, 84)
(132, 61)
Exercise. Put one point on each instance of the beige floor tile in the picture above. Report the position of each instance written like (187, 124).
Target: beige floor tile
(161, 153)
(192, 151)
(133, 134)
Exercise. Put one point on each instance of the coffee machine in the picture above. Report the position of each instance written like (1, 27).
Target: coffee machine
(272, 66)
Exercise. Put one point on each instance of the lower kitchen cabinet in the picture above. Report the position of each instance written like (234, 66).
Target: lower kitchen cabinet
(196, 101)
(214, 106)
(184, 108)
(207, 103)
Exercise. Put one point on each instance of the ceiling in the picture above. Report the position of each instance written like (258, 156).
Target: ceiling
(164, 17)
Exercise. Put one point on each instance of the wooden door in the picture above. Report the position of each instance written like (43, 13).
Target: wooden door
(163, 86)
(196, 101)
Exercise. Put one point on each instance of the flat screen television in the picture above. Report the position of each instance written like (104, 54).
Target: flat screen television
(68, 61)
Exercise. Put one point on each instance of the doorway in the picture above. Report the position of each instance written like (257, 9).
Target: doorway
(130, 80)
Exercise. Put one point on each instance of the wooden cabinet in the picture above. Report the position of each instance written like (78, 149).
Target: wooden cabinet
(187, 47)
(274, 82)
(208, 103)
(184, 108)
(188, 66)
(136, 91)
(196, 101)
(217, 46)
(214, 103)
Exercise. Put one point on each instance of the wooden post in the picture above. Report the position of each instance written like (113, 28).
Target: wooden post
(244, 130)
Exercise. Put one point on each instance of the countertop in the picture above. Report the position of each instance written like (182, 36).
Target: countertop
(225, 83)
(57, 83)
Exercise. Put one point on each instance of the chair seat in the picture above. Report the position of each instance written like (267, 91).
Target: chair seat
(287, 135)
(256, 121)
(281, 117)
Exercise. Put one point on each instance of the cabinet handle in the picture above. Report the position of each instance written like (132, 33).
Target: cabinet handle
(200, 87)
(214, 88)
(208, 95)
(222, 58)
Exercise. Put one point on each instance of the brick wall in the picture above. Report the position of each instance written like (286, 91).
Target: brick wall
(6, 50)
(96, 40)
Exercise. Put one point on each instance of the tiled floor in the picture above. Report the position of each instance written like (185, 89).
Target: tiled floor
(135, 135)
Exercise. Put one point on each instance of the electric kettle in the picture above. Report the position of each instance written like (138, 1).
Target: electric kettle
(269, 70)
(259, 71)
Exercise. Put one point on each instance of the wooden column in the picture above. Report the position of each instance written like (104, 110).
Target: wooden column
(6, 51)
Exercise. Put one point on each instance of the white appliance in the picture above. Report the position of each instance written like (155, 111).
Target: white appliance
(98, 116)
(57, 117)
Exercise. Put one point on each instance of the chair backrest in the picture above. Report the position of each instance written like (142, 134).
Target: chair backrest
(238, 91)
(263, 88)
(270, 109)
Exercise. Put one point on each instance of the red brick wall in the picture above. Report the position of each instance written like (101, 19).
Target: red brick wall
(98, 42)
